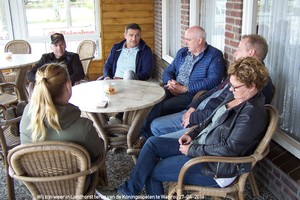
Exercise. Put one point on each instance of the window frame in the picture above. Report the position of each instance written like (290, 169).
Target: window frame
(194, 13)
(165, 32)
(194, 16)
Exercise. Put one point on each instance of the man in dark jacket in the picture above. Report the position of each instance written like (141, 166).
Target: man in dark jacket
(60, 55)
(131, 58)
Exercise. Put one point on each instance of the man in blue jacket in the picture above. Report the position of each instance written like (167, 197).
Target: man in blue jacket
(131, 58)
(198, 66)
(198, 110)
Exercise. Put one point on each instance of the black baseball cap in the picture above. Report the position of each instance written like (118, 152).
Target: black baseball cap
(57, 37)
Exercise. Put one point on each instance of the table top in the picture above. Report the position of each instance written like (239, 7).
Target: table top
(131, 95)
(18, 60)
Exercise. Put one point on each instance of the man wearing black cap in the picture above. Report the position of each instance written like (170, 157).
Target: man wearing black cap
(60, 55)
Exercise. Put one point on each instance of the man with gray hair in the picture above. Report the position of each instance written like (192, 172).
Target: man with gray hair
(198, 66)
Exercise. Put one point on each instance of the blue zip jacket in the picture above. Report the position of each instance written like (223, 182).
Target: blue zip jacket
(207, 73)
(144, 61)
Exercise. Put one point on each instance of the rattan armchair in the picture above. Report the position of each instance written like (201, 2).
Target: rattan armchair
(54, 169)
(86, 50)
(236, 189)
(9, 138)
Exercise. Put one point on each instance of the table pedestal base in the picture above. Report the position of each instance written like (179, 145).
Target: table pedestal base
(119, 135)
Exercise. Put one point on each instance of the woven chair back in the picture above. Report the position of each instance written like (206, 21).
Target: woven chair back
(50, 168)
(18, 47)
(86, 50)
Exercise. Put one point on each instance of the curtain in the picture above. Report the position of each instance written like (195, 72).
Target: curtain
(174, 27)
(279, 23)
(212, 19)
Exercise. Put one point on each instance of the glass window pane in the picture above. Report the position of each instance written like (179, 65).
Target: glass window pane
(4, 35)
(76, 19)
(174, 27)
(67, 17)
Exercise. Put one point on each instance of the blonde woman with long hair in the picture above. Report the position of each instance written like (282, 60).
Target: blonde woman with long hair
(50, 117)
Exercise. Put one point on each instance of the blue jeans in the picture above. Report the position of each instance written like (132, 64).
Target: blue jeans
(160, 161)
(171, 104)
(168, 124)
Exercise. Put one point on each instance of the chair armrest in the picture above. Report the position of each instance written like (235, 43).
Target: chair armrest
(204, 159)
(7, 84)
(87, 58)
(201, 92)
(10, 121)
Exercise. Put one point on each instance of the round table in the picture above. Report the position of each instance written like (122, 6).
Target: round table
(134, 98)
(20, 62)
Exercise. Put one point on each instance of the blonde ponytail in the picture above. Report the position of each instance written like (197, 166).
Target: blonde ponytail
(50, 80)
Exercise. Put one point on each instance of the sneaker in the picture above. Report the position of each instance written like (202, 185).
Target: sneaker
(114, 121)
(139, 143)
(106, 194)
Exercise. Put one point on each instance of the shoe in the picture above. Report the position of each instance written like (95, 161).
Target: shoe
(10, 113)
(122, 196)
(119, 150)
(106, 194)
(139, 143)
(20, 108)
(114, 121)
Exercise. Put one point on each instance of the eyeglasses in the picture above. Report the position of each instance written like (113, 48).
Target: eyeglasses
(234, 88)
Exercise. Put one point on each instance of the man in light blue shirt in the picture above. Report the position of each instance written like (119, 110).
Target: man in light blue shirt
(131, 58)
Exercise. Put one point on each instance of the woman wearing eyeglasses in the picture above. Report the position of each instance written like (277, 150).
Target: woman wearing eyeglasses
(234, 129)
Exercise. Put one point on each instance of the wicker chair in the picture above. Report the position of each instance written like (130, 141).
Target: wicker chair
(9, 94)
(54, 168)
(16, 47)
(86, 50)
(9, 138)
(236, 189)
